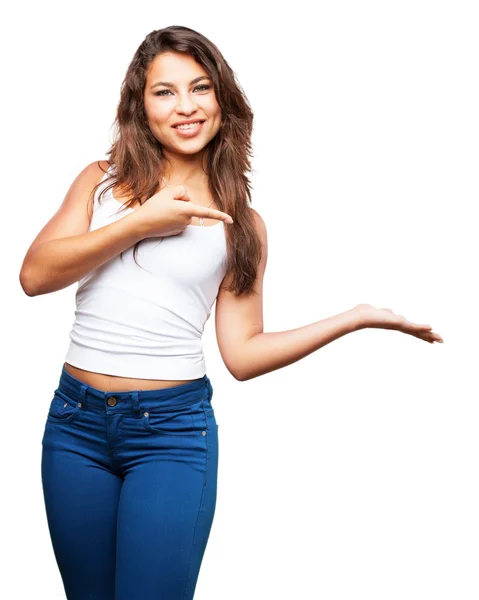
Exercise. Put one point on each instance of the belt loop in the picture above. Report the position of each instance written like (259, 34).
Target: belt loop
(135, 402)
(83, 395)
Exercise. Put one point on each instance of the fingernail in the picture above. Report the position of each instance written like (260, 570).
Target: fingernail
(230, 221)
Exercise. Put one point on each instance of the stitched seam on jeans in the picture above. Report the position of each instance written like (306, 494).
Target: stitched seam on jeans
(199, 511)
(69, 419)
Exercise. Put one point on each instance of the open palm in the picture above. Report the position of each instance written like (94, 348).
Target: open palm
(385, 318)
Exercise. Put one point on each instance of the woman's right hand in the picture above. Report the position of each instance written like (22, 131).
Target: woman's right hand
(385, 318)
(169, 212)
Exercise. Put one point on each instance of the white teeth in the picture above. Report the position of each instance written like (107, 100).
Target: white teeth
(188, 126)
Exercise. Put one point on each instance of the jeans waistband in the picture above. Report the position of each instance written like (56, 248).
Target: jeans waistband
(87, 395)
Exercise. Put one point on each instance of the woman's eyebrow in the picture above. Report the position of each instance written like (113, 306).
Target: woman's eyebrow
(169, 84)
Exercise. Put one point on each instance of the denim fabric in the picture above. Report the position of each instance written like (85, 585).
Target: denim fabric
(129, 482)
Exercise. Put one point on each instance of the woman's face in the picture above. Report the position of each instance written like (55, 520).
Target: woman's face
(176, 99)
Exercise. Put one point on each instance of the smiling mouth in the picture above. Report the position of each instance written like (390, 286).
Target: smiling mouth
(188, 126)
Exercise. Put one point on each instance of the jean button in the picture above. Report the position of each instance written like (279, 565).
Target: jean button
(112, 401)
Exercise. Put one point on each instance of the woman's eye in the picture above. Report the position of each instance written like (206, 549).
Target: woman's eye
(202, 87)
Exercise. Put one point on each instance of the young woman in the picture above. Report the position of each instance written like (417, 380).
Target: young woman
(130, 448)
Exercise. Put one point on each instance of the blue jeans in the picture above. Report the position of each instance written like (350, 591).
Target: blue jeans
(129, 482)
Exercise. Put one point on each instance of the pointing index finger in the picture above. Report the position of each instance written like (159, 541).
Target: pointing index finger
(208, 213)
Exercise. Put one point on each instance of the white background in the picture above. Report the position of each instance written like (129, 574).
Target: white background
(352, 473)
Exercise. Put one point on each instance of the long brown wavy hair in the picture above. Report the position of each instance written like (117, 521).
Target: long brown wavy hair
(139, 163)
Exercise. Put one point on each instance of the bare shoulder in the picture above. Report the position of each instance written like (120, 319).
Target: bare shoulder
(80, 193)
(73, 216)
(263, 236)
(260, 224)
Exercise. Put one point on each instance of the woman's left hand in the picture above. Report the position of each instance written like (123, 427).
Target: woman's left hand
(385, 318)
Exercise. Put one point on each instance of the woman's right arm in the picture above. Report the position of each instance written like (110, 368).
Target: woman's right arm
(64, 250)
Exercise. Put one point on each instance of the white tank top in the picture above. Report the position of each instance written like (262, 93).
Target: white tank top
(148, 324)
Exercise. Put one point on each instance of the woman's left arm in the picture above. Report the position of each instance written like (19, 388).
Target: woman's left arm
(249, 352)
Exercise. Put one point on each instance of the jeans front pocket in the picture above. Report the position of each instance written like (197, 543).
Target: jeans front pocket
(185, 421)
(63, 409)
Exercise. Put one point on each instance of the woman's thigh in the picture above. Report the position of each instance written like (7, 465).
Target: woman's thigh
(166, 511)
(81, 496)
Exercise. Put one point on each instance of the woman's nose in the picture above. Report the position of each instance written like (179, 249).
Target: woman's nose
(186, 105)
